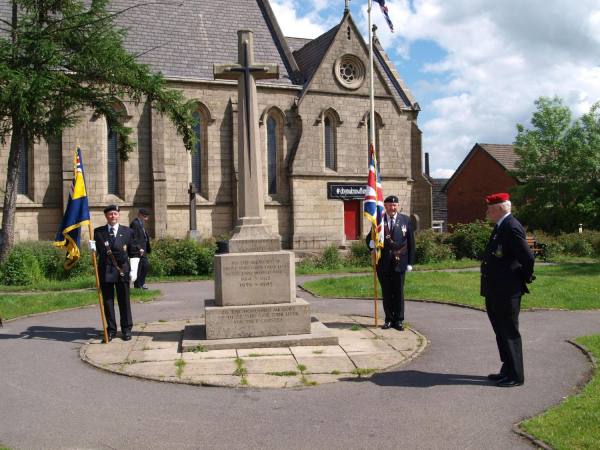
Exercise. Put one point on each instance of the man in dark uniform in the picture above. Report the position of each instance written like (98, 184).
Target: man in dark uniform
(506, 268)
(397, 257)
(143, 242)
(116, 271)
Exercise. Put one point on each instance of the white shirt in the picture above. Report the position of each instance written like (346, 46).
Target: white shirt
(116, 228)
(502, 219)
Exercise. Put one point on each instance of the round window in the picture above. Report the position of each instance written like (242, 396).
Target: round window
(349, 71)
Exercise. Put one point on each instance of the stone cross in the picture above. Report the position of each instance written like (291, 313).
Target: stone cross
(192, 192)
(246, 72)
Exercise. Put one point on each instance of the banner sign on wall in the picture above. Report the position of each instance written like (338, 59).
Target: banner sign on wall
(346, 191)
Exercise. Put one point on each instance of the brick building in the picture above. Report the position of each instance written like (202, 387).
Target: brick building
(314, 126)
(483, 172)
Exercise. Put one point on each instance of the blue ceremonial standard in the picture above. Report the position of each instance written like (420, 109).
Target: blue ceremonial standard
(76, 215)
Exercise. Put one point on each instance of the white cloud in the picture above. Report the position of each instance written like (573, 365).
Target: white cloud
(310, 26)
(442, 173)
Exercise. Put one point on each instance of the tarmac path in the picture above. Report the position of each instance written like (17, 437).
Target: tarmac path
(50, 399)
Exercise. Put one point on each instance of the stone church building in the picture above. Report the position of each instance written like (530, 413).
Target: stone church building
(314, 126)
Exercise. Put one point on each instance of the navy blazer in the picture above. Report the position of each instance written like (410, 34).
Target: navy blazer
(123, 248)
(507, 263)
(141, 238)
(401, 235)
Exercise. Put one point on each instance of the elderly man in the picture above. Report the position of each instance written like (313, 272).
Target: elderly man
(143, 242)
(397, 257)
(506, 268)
(117, 266)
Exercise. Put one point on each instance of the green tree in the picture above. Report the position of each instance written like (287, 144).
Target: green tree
(58, 57)
(559, 168)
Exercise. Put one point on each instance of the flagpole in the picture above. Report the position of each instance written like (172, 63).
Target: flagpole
(372, 142)
(98, 286)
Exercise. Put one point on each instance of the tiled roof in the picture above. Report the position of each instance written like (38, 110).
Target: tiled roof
(297, 43)
(504, 154)
(310, 55)
(440, 208)
(183, 39)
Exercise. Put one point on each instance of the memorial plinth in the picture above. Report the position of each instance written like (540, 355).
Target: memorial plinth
(255, 284)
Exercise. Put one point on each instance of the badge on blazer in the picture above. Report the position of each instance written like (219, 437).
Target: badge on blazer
(125, 248)
(403, 230)
(499, 253)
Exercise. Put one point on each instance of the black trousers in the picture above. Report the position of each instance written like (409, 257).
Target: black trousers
(392, 291)
(108, 295)
(504, 317)
(142, 271)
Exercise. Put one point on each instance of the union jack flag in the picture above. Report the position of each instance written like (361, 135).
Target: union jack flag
(374, 210)
(384, 10)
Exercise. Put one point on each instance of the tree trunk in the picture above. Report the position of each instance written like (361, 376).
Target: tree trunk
(10, 196)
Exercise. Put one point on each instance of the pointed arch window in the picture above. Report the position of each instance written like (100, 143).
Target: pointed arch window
(23, 185)
(330, 142)
(112, 159)
(272, 155)
(197, 155)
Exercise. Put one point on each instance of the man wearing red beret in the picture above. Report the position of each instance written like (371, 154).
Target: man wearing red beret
(506, 268)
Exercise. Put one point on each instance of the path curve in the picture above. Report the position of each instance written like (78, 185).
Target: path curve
(50, 399)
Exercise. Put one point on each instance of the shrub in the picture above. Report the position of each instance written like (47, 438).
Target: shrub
(430, 247)
(172, 257)
(20, 268)
(360, 255)
(330, 259)
(576, 244)
(470, 240)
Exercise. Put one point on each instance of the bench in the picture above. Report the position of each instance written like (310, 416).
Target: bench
(536, 248)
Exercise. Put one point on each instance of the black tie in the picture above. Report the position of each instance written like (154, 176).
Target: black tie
(112, 235)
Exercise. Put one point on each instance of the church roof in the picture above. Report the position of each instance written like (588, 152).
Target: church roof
(311, 54)
(183, 39)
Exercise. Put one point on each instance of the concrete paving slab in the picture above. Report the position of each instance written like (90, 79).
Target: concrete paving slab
(377, 361)
(161, 354)
(159, 369)
(244, 352)
(209, 367)
(267, 364)
(360, 346)
(326, 364)
(211, 354)
(216, 380)
(315, 350)
(272, 381)
(156, 349)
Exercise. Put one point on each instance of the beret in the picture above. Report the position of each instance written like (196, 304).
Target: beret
(144, 212)
(110, 208)
(496, 198)
(391, 199)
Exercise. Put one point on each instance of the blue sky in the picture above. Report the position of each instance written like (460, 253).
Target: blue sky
(474, 66)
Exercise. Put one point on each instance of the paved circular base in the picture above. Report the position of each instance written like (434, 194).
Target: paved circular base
(154, 353)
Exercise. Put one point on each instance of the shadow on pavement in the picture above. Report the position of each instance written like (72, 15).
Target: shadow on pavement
(418, 379)
(55, 334)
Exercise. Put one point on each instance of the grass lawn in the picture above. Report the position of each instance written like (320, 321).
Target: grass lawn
(575, 423)
(565, 286)
(16, 305)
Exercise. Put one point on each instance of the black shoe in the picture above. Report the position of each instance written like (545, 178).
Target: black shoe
(505, 382)
(111, 336)
(126, 336)
(386, 326)
(497, 376)
(144, 287)
(398, 326)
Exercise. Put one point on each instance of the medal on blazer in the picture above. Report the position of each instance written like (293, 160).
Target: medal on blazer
(403, 230)
(125, 248)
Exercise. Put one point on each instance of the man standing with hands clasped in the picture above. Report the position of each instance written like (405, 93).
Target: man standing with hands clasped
(117, 266)
(397, 257)
(506, 268)
(143, 242)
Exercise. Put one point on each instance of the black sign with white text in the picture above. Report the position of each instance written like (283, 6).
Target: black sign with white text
(346, 191)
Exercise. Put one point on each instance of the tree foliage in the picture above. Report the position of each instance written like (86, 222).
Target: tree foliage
(58, 57)
(559, 168)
